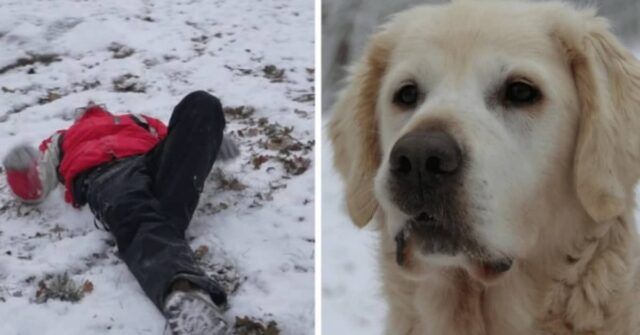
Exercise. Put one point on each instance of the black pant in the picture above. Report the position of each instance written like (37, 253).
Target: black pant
(147, 201)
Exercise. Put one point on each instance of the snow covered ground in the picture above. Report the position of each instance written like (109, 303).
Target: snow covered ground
(351, 297)
(254, 229)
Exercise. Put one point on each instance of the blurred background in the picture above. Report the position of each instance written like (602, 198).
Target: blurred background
(352, 301)
(346, 24)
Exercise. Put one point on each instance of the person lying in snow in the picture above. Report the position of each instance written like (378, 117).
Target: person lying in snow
(142, 181)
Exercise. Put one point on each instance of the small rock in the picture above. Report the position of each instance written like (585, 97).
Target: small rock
(128, 83)
(120, 50)
(273, 73)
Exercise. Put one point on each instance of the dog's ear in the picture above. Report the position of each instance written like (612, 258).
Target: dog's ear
(607, 79)
(354, 130)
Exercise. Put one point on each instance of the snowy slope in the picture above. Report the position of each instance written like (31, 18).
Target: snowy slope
(256, 214)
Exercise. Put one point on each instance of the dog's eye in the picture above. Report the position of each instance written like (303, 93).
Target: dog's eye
(521, 94)
(407, 96)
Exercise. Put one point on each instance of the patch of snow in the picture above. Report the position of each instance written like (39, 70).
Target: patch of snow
(352, 300)
(264, 229)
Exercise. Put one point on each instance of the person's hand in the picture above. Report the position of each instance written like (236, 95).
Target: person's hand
(21, 165)
(228, 149)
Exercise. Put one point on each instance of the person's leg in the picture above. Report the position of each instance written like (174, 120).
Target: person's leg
(147, 203)
(151, 244)
(180, 164)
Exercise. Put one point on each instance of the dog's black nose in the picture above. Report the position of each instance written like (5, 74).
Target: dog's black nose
(427, 158)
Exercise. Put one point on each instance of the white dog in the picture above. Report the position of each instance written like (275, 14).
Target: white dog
(497, 144)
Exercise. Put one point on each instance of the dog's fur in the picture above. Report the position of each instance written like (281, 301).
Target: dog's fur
(552, 186)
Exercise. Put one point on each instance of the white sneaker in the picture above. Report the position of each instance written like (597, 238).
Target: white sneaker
(193, 313)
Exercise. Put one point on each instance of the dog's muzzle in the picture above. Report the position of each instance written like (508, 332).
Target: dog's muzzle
(426, 182)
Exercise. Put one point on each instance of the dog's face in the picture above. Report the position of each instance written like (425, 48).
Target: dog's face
(472, 122)
(478, 114)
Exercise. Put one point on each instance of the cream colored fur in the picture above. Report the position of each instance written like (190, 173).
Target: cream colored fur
(560, 178)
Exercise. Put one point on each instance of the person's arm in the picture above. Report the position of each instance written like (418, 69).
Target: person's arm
(32, 174)
(228, 149)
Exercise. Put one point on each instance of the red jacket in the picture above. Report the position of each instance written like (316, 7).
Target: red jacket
(99, 137)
